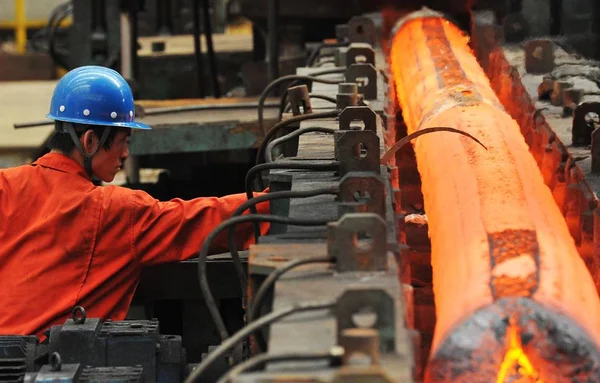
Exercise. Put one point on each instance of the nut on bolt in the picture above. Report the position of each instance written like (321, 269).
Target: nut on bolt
(545, 88)
(557, 93)
(571, 98)
(300, 100)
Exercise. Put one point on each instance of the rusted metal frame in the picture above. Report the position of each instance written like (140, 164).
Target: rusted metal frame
(357, 150)
(365, 75)
(192, 137)
(539, 56)
(299, 100)
(341, 236)
(353, 293)
(342, 233)
(357, 73)
(362, 29)
(347, 95)
(355, 53)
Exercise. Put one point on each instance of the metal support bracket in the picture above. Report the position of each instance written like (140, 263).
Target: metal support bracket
(359, 305)
(355, 53)
(558, 88)
(582, 130)
(357, 150)
(571, 98)
(362, 192)
(300, 100)
(64, 373)
(365, 75)
(347, 95)
(515, 27)
(342, 32)
(362, 30)
(358, 242)
(539, 56)
(362, 341)
(358, 113)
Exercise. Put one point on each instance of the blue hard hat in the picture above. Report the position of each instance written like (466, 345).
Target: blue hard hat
(94, 95)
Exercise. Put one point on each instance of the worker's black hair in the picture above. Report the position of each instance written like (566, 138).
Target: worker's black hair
(63, 142)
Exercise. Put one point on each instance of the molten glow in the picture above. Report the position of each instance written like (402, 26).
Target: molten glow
(499, 243)
(516, 366)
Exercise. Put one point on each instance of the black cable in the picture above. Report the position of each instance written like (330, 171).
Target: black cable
(203, 255)
(269, 283)
(284, 100)
(260, 360)
(301, 165)
(315, 53)
(289, 136)
(405, 140)
(252, 203)
(313, 77)
(44, 32)
(323, 166)
(323, 62)
(311, 95)
(58, 59)
(62, 58)
(323, 97)
(198, 49)
(212, 59)
(282, 124)
(228, 344)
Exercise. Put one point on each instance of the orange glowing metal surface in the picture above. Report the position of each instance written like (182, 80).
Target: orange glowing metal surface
(516, 366)
(500, 246)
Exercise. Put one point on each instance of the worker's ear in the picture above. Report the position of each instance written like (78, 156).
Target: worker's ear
(90, 142)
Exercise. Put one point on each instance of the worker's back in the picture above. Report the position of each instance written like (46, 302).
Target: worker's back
(52, 257)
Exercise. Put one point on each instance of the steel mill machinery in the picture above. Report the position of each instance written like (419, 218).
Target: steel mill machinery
(433, 219)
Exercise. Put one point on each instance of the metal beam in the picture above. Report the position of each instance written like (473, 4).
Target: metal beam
(193, 138)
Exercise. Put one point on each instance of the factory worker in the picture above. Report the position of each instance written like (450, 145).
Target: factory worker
(65, 242)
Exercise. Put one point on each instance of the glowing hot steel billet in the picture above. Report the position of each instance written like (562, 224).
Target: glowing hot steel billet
(513, 297)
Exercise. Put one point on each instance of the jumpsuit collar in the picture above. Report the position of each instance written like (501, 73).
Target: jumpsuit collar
(62, 163)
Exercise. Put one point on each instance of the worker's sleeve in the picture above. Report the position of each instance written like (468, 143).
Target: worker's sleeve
(175, 230)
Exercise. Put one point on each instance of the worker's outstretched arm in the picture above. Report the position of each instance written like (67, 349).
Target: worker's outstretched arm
(175, 230)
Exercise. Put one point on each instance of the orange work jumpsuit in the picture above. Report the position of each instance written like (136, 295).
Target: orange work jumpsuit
(65, 242)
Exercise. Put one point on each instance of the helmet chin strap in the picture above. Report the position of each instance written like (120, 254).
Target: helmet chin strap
(87, 157)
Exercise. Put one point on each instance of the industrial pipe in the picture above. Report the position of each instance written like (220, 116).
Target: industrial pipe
(20, 26)
(513, 298)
